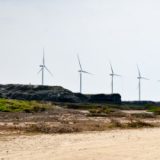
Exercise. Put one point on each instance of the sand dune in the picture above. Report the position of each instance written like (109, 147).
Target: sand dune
(141, 144)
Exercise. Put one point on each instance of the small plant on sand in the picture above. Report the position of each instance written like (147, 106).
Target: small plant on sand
(115, 124)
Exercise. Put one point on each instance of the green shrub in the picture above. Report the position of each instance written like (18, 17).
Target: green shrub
(155, 110)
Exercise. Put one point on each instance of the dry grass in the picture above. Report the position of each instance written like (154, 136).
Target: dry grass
(106, 112)
(75, 126)
(131, 124)
(59, 120)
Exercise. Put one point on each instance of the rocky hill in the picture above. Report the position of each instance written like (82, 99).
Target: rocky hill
(53, 93)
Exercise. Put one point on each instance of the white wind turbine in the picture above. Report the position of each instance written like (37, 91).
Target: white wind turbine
(43, 67)
(81, 71)
(139, 83)
(112, 78)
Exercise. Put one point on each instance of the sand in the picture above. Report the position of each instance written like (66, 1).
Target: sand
(140, 144)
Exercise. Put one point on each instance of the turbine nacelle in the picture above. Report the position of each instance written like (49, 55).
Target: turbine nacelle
(41, 66)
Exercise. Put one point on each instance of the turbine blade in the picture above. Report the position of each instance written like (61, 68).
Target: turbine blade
(117, 75)
(144, 78)
(111, 68)
(86, 72)
(139, 73)
(43, 57)
(48, 71)
(79, 62)
(39, 71)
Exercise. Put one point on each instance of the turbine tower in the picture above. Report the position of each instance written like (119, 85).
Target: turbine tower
(139, 82)
(43, 68)
(112, 78)
(81, 71)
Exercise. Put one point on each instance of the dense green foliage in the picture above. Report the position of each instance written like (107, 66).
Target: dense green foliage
(9, 105)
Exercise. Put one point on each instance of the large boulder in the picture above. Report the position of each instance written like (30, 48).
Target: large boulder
(103, 98)
(53, 93)
(35, 92)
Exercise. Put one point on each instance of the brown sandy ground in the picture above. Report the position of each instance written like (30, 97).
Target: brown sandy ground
(33, 136)
(139, 144)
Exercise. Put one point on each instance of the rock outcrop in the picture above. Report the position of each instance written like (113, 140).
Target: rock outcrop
(53, 93)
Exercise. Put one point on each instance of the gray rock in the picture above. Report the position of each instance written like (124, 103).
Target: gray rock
(53, 93)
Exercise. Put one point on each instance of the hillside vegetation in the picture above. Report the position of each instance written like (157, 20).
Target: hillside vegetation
(14, 105)
(9, 105)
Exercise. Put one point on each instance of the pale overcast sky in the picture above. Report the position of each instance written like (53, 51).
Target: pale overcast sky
(125, 32)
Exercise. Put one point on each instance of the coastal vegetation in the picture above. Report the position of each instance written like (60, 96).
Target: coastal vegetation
(10, 105)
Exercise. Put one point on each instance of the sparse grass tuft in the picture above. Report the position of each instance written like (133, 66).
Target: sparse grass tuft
(115, 124)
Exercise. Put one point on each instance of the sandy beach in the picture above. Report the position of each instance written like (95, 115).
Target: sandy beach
(140, 144)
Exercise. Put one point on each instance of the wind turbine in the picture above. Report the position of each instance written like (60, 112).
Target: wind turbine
(112, 78)
(81, 71)
(139, 83)
(43, 68)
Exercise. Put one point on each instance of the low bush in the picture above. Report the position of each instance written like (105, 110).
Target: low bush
(139, 124)
(155, 110)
